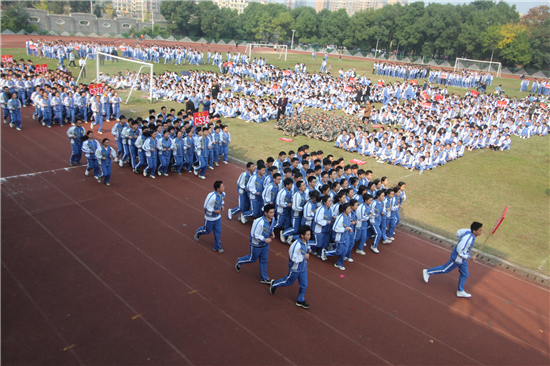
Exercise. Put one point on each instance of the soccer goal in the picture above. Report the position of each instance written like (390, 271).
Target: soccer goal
(478, 65)
(278, 49)
(120, 73)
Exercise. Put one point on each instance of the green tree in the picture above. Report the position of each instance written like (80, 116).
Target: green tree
(282, 26)
(537, 21)
(514, 45)
(178, 16)
(14, 17)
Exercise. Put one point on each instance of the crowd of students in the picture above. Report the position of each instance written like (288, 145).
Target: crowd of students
(344, 205)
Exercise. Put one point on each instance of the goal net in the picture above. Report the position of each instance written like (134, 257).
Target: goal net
(266, 49)
(122, 74)
(478, 65)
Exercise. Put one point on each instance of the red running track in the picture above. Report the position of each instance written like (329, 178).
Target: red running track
(110, 275)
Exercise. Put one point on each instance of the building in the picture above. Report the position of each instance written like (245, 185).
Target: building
(238, 5)
(321, 4)
(136, 8)
(353, 6)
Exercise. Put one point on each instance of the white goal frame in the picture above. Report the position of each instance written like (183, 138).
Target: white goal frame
(250, 46)
(458, 60)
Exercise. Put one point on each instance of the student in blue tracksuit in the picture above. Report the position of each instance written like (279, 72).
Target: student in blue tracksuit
(189, 149)
(244, 201)
(75, 133)
(150, 149)
(261, 235)
(105, 154)
(201, 148)
(363, 215)
(322, 224)
(225, 139)
(459, 257)
(165, 152)
(116, 131)
(213, 207)
(298, 202)
(284, 206)
(255, 188)
(342, 230)
(298, 254)
(178, 152)
(89, 147)
(377, 209)
(14, 106)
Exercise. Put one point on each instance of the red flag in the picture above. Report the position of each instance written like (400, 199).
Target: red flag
(352, 80)
(287, 72)
(349, 89)
(200, 118)
(414, 82)
(438, 97)
(357, 161)
(41, 68)
(285, 139)
(502, 103)
(95, 89)
(427, 105)
(380, 83)
(32, 47)
(275, 87)
(7, 58)
(122, 48)
(500, 219)
(543, 106)
(474, 93)
(425, 95)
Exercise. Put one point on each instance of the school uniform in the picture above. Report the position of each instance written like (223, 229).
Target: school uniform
(89, 148)
(14, 106)
(259, 249)
(150, 149)
(297, 270)
(341, 238)
(255, 188)
(298, 202)
(244, 201)
(165, 152)
(212, 221)
(75, 133)
(105, 156)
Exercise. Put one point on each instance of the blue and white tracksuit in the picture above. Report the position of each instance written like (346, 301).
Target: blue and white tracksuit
(261, 230)
(297, 269)
(212, 220)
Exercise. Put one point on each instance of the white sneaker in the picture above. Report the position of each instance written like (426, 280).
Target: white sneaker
(348, 259)
(290, 239)
(225, 162)
(463, 294)
(165, 174)
(120, 163)
(153, 176)
(242, 218)
(202, 177)
(159, 173)
(425, 275)
(324, 255)
(392, 238)
(86, 172)
(386, 241)
(360, 252)
(342, 268)
(144, 173)
(18, 129)
(374, 249)
(216, 164)
(211, 167)
(195, 171)
(116, 159)
(229, 214)
(11, 125)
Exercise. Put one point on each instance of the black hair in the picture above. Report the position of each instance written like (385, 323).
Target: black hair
(217, 184)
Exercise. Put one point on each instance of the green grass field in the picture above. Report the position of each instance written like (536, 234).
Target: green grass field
(476, 187)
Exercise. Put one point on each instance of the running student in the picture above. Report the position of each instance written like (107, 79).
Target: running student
(213, 207)
(298, 254)
(459, 257)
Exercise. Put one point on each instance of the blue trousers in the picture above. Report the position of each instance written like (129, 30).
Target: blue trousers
(120, 148)
(178, 163)
(244, 204)
(283, 221)
(151, 165)
(203, 165)
(289, 280)
(70, 115)
(142, 160)
(449, 266)
(224, 151)
(76, 154)
(361, 236)
(164, 162)
(391, 228)
(293, 230)
(216, 227)
(15, 117)
(106, 172)
(340, 251)
(377, 235)
(98, 120)
(6, 114)
(255, 208)
(255, 253)
(93, 164)
(322, 240)
(126, 150)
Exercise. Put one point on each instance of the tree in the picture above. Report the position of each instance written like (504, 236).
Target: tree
(537, 21)
(514, 44)
(178, 15)
(492, 38)
(282, 25)
(109, 10)
(15, 17)
(42, 5)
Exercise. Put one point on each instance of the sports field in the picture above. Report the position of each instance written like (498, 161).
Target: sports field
(476, 187)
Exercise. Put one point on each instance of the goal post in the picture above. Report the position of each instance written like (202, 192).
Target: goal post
(141, 65)
(478, 65)
(278, 48)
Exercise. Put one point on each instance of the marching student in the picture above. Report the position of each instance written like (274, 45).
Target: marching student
(150, 149)
(164, 147)
(225, 140)
(89, 147)
(362, 229)
(255, 188)
(75, 134)
(377, 208)
(342, 230)
(244, 201)
(213, 207)
(116, 131)
(178, 150)
(298, 254)
(322, 225)
(261, 235)
(97, 109)
(105, 154)
(14, 106)
(459, 257)
(298, 202)
(284, 206)
(201, 148)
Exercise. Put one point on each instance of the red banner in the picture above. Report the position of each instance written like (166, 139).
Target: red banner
(380, 83)
(200, 118)
(77, 48)
(438, 97)
(41, 68)
(474, 93)
(425, 95)
(285, 139)
(352, 80)
(287, 72)
(427, 105)
(32, 47)
(500, 219)
(95, 89)
(502, 103)
(122, 47)
(7, 58)
(543, 106)
(444, 76)
(275, 87)
(358, 162)
(349, 89)
(414, 82)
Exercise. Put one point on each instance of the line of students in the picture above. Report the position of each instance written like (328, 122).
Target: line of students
(342, 204)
